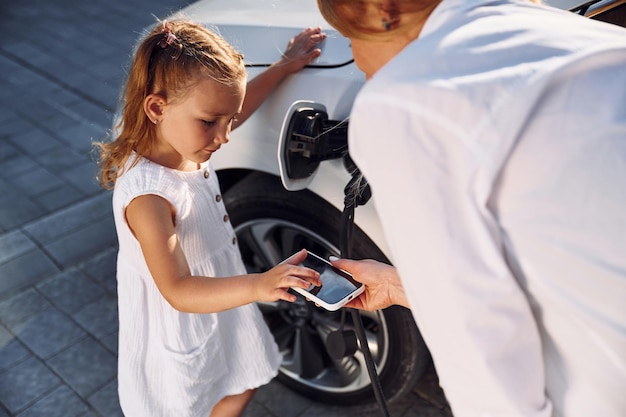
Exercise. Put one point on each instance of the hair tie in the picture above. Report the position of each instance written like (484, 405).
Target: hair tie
(169, 38)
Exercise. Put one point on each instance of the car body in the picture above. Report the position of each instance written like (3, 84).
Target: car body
(261, 30)
(271, 221)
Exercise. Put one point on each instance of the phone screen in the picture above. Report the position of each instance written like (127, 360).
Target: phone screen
(336, 284)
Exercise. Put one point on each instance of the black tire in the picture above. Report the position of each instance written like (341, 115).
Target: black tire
(272, 224)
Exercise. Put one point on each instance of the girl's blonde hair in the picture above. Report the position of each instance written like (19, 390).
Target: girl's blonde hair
(168, 61)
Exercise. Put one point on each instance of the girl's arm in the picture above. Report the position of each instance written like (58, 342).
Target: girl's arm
(150, 217)
(299, 53)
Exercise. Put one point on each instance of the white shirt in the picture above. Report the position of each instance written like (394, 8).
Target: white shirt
(495, 145)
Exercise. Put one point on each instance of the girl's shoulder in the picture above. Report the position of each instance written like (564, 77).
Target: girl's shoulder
(139, 172)
(141, 176)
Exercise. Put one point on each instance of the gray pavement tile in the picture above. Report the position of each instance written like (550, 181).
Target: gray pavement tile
(25, 270)
(59, 197)
(34, 141)
(60, 158)
(25, 383)
(67, 100)
(29, 57)
(83, 176)
(15, 209)
(38, 57)
(60, 223)
(21, 79)
(22, 307)
(7, 114)
(110, 341)
(12, 25)
(79, 136)
(13, 244)
(79, 58)
(99, 318)
(61, 402)
(7, 152)
(280, 401)
(83, 243)
(62, 31)
(103, 268)
(85, 366)
(424, 409)
(398, 407)
(48, 333)
(256, 409)
(321, 410)
(52, 115)
(36, 181)
(103, 69)
(100, 112)
(25, 101)
(12, 352)
(16, 124)
(18, 165)
(105, 400)
(70, 290)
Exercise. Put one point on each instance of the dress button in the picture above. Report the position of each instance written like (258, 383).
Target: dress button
(206, 173)
(234, 240)
(225, 218)
(218, 198)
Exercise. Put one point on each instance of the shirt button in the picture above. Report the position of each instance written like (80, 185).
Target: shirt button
(218, 198)
(234, 240)
(225, 218)
(206, 173)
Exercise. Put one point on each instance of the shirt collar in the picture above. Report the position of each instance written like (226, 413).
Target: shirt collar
(445, 9)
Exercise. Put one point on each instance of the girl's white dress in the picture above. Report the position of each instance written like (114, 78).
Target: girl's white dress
(173, 363)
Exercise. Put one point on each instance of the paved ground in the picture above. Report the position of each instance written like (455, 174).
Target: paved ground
(62, 65)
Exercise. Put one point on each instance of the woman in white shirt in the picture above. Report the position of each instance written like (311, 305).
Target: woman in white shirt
(493, 134)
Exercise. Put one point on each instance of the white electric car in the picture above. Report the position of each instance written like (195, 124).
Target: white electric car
(283, 183)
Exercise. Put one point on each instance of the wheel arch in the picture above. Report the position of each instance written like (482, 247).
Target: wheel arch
(326, 187)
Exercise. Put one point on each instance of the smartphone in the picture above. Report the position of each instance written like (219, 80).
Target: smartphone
(338, 287)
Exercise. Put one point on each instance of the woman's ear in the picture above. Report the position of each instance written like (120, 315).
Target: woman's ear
(153, 107)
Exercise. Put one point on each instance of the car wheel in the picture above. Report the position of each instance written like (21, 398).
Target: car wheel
(271, 224)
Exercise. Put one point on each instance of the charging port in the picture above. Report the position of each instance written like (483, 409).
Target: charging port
(312, 138)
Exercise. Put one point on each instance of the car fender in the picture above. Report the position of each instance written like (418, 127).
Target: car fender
(253, 146)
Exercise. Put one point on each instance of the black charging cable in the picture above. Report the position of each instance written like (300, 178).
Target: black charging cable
(357, 192)
(312, 138)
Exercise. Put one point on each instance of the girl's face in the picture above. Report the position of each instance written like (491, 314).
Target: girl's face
(195, 125)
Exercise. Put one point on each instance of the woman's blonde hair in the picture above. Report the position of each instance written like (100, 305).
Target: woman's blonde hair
(168, 61)
(349, 17)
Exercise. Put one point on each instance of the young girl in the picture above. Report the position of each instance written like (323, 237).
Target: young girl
(191, 341)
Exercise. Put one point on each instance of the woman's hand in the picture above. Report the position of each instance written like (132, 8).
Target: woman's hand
(383, 287)
(273, 284)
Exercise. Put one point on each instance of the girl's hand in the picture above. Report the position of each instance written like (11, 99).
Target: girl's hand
(273, 284)
(301, 49)
(300, 52)
(383, 287)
